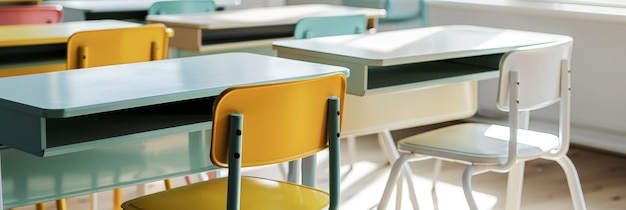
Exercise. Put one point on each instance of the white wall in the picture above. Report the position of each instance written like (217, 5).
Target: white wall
(598, 70)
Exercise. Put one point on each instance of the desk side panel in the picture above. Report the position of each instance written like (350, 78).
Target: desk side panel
(371, 114)
(22, 131)
(186, 38)
(357, 81)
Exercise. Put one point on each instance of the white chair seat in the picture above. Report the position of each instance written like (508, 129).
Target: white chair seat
(478, 143)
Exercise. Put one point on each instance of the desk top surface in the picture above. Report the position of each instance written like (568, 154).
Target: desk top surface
(100, 89)
(35, 34)
(121, 5)
(264, 16)
(416, 45)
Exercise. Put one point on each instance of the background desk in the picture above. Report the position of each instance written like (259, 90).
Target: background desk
(412, 77)
(36, 48)
(244, 28)
(115, 126)
(136, 10)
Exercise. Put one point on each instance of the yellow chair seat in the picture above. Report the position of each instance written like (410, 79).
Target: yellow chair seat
(256, 193)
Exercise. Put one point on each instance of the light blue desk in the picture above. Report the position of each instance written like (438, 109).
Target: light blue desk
(79, 131)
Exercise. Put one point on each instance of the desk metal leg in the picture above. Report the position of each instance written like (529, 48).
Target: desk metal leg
(1, 195)
(309, 165)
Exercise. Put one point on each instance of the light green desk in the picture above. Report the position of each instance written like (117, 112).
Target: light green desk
(36, 48)
(80, 131)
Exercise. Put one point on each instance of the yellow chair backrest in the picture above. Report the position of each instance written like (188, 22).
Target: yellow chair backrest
(281, 122)
(117, 46)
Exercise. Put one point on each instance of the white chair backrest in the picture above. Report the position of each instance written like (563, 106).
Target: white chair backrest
(539, 68)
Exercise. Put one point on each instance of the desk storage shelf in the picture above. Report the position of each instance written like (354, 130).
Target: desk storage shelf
(432, 73)
(51, 136)
(17, 60)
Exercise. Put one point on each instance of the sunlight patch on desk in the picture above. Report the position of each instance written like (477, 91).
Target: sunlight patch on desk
(390, 41)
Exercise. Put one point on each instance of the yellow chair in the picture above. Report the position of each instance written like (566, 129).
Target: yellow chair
(261, 125)
(118, 46)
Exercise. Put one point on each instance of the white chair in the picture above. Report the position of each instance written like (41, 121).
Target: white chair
(531, 78)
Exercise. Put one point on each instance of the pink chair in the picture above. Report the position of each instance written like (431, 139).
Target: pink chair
(30, 14)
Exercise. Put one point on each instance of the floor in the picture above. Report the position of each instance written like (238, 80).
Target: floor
(603, 177)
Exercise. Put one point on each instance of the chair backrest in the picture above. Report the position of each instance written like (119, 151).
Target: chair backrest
(181, 7)
(30, 14)
(397, 10)
(312, 27)
(117, 46)
(540, 71)
(281, 122)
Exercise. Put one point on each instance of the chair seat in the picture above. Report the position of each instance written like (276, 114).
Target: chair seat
(256, 193)
(478, 143)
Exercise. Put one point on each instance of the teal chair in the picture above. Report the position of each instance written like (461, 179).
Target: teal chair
(402, 13)
(181, 7)
(312, 27)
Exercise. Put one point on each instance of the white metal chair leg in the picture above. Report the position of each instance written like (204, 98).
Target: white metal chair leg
(573, 181)
(467, 187)
(515, 182)
(411, 185)
(435, 178)
(399, 187)
(394, 174)
(388, 146)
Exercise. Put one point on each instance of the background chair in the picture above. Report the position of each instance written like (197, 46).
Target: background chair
(181, 7)
(30, 14)
(118, 46)
(329, 26)
(531, 78)
(292, 120)
(400, 13)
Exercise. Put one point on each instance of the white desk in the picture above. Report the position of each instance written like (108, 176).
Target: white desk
(413, 77)
(234, 29)
(114, 126)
